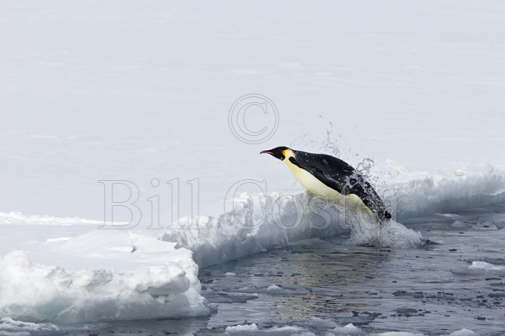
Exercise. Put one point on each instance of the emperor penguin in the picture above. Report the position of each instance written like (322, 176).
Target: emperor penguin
(331, 179)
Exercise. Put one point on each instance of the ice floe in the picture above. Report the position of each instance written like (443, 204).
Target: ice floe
(253, 330)
(109, 275)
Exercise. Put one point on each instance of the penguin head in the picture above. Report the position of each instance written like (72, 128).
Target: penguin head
(280, 153)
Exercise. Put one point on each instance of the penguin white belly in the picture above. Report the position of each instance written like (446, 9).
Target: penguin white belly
(318, 188)
(313, 185)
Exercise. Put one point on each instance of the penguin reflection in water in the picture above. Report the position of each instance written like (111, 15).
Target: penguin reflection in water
(332, 180)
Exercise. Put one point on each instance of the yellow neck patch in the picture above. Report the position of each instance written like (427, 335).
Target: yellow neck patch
(288, 153)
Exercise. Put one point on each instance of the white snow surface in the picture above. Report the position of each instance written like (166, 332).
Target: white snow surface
(9, 218)
(414, 193)
(110, 275)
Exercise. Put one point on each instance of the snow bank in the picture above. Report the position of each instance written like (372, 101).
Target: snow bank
(259, 222)
(110, 275)
(416, 193)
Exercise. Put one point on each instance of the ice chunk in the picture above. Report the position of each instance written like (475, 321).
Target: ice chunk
(463, 332)
(347, 330)
(101, 279)
(485, 266)
(479, 268)
(242, 328)
(253, 330)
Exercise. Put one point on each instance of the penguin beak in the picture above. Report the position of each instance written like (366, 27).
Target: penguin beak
(274, 152)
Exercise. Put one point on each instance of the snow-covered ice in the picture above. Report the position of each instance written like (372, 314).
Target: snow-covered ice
(108, 275)
(413, 193)
(253, 330)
